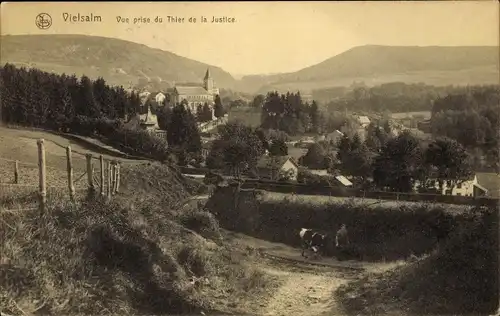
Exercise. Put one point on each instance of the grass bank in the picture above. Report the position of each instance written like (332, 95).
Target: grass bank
(461, 278)
(141, 253)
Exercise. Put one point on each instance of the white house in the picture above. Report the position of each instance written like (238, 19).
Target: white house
(273, 167)
(160, 98)
(464, 187)
(364, 121)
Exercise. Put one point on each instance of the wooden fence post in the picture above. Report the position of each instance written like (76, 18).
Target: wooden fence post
(16, 172)
(109, 179)
(42, 175)
(71, 186)
(90, 172)
(113, 177)
(101, 158)
(118, 178)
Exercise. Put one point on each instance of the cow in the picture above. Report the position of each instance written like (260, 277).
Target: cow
(312, 240)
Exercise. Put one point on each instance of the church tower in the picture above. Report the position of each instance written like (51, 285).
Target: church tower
(208, 82)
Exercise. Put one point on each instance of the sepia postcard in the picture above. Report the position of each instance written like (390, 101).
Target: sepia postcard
(305, 158)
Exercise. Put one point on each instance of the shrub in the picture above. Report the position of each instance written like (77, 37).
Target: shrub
(202, 222)
(195, 259)
(376, 233)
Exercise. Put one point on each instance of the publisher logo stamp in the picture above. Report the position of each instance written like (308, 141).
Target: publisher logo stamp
(43, 21)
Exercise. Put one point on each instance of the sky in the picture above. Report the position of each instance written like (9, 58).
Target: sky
(268, 37)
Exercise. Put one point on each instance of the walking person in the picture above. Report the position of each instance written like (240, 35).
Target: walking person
(342, 239)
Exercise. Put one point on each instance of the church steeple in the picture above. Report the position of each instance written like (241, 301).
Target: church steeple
(207, 74)
(208, 82)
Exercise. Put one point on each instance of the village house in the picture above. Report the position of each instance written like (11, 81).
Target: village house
(363, 121)
(334, 136)
(196, 95)
(360, 130)
(277, 168)
(147, 121)
(160, 99)
(464, 187)
(359, 127)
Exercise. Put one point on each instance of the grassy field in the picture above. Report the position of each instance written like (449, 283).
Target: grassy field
(247, 115)
(21, 145)
(328, 200)
(401, 115)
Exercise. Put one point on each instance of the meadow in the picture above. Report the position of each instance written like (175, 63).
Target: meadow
(247, 115)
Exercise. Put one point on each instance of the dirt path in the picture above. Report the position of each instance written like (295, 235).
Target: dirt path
(303, 293)
(305, 289)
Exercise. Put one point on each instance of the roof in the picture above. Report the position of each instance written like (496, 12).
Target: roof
(319, 172)
(491, 181)
(191, 90)
(343, 180)
(364, 119)
(207, 74)
(268, 162)
(336, 133)
(481, 187)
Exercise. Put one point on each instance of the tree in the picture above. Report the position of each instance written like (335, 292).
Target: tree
(376, 137)
(354, 158)
(278, 147)
(238, 146)
(87, 105)
(199, 113)
(400, 164)
(182, 132)
(218, 108)
(315, 157)
(449, 160)
(258, 101)
(164, 117)
(315, 118)
(206, 113)
(262, 137)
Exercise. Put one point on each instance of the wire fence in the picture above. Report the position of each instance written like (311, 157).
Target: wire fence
(27, 185)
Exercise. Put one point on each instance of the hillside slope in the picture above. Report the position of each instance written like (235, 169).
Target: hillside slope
(130, 64)
(119, 62)
(379, 64)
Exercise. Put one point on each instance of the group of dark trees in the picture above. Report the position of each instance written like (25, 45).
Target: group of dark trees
(238, 148)
(34, 98)
(39, 99)
(393, 97)
(290, 114)
(391, 162)
(471, 117)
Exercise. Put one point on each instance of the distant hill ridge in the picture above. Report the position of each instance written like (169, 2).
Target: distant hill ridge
(118, 61)
(129, 64)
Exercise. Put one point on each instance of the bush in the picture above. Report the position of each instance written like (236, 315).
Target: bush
(203, 223)
(376, 233)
